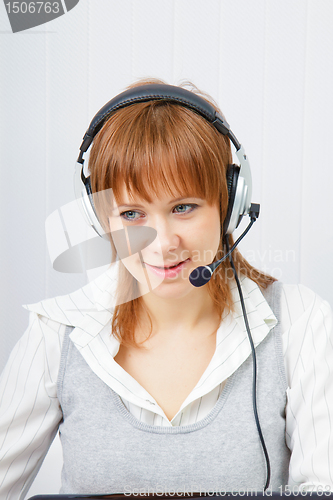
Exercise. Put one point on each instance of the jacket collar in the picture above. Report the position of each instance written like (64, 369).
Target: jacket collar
(90, 309)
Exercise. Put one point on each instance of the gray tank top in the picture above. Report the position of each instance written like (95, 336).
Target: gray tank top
(107, 450)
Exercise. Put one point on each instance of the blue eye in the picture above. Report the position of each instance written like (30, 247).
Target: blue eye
(191, 205)
(128, 217)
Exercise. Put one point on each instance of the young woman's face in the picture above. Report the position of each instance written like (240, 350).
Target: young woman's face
(188, 234)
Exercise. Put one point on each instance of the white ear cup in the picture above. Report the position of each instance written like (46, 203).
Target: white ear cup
(238, 207)
(89, 212)
(241, 190)
(245, 173)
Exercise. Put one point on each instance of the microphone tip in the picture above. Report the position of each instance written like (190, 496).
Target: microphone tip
(200, 276)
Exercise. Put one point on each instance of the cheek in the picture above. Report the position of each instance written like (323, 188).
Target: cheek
(146, 281)
(213, 233)
(210, 229)
(204, 239)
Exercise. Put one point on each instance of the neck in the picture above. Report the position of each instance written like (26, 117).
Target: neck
(181, 315)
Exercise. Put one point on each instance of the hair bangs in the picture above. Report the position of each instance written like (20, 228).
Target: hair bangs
(165, 148)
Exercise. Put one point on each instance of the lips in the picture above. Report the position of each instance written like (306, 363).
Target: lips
(171, 266)
(166, 273)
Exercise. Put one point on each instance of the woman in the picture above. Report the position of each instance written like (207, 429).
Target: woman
(147, 377)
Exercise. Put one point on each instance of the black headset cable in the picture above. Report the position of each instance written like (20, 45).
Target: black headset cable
(254, 384)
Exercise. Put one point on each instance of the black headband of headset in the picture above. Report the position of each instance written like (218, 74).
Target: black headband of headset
(156, 92)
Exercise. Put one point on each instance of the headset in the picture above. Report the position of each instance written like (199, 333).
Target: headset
(239, 184)
(239, 181)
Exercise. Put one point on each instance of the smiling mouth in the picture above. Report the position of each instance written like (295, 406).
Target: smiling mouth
(169, 267)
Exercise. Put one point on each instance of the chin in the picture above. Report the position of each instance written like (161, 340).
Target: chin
(171, 291)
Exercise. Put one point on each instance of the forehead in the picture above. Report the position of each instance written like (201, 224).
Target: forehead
(126, 197)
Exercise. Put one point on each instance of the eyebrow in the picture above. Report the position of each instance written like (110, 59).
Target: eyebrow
(123, 205)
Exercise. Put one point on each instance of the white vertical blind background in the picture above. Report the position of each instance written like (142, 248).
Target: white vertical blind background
(268, 64)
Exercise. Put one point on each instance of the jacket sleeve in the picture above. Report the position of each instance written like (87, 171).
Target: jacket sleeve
(30, 412)
(309, 412)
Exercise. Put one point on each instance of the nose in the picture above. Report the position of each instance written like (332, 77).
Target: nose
(131, 240)
(167, 238)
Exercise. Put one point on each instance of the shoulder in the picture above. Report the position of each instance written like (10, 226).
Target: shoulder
(300, 311)
(70, 309)
(306, 329)
(301, 305)
(44, 329)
